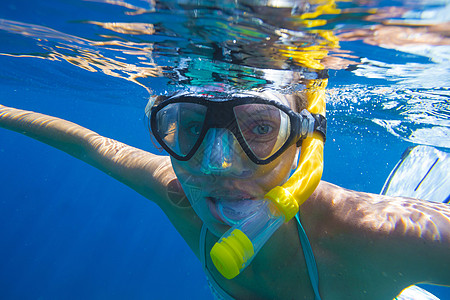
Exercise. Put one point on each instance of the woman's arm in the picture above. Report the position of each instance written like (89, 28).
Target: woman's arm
(144, 172)
(419, 236)
(407, 238)
(150, 175)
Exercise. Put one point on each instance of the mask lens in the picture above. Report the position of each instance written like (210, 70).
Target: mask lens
(265, 128)
(179, 126)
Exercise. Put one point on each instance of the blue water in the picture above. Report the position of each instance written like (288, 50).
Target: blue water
(68, 231)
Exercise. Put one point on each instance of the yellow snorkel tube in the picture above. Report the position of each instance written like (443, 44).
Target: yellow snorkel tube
(238, 246)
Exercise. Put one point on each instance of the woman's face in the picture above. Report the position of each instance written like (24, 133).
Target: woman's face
(234, 185)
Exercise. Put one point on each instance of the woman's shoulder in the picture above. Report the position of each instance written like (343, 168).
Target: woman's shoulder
(376, 217)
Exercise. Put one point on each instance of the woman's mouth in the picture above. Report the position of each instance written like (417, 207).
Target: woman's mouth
(232, 211)
(211, 201)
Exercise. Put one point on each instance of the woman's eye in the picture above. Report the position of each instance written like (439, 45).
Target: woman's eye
(262, 129)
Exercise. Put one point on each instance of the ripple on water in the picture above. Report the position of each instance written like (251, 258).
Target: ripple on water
(420, 116)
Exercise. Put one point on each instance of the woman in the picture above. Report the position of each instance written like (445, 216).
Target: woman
(366, 246)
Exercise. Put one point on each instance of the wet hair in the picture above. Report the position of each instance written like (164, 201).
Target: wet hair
(297, 101)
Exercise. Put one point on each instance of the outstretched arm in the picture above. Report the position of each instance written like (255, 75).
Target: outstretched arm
(409, 239)
(144, 172)
(147, 173)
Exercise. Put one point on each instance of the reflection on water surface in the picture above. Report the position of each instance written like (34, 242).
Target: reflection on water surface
(394, 58)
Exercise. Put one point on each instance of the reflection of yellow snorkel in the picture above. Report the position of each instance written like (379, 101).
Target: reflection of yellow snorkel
(237, 247)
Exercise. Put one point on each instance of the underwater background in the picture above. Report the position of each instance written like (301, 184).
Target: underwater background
(68, 231)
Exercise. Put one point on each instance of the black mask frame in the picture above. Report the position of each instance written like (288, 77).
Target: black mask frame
(220, 114)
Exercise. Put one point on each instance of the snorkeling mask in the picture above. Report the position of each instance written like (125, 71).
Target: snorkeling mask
(264, 129)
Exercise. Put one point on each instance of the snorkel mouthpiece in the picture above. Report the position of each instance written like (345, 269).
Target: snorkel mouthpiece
(232, 212)
(238, 246)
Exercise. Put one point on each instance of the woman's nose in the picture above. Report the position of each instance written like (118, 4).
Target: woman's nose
(220, 152)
